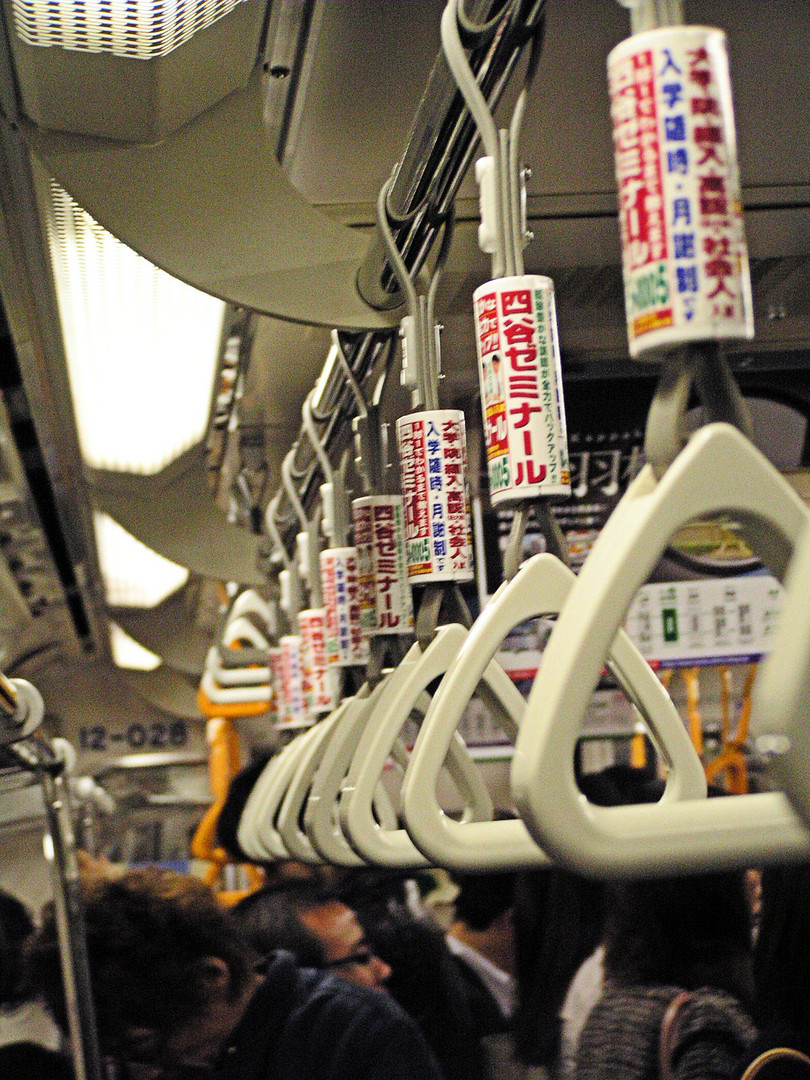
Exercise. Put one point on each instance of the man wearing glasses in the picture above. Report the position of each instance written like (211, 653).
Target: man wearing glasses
(179, 995)
(306, 919)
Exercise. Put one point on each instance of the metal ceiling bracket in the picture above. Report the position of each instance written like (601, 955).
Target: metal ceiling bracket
(211, 205)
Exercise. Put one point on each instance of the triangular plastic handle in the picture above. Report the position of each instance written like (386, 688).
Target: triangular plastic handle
(718, 470)
(288, 821)
(321, 822)
(782, 689)
(394, 847)
(540, 587)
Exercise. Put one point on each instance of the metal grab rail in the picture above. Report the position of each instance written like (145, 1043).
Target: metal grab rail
(21, 712)
(440, 147)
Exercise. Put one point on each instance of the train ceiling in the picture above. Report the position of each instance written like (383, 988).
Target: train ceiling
(340, 98)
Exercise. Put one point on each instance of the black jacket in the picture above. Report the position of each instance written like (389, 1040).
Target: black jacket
(301, 1023)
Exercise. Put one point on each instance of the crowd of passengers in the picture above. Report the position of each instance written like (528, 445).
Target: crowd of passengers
(366, 974)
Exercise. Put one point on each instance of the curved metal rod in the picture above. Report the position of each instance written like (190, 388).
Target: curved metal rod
(516, 187)
(273, 531)
(351, 379)
(419, 308)
(401, 271)
(474, 34)
(315, 439)
(425, 189)
(308, 529)
(484, 120)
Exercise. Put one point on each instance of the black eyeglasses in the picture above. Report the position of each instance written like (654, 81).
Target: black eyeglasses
(362, 955)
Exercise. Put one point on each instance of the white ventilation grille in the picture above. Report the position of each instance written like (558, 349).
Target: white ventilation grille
(140, 29)
(134, 575)
(141, 346)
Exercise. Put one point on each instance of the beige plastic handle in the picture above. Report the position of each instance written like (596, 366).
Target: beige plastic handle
(320, 815)
(247, 829)
(782, 690)
(230, 677)
(394, 847)
(232, 686)
(242, 629)
(719, 469)
(249, 602)
(234, 695)
(540, 587)
(269, 838)
(288, 821)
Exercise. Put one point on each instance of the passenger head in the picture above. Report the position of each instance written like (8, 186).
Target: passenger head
(306, 919)
(686, 931)
(15, 928)
(169, 969)
(484, 898)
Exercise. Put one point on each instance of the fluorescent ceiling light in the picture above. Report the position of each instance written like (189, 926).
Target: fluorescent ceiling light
(134, 575)
(142, 29)
(127, 653)
(142, 347)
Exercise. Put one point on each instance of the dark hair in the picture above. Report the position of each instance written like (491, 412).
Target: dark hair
(781, 963)
(483, 897)
(688, 932)
(147, 932)
(559, 918)
(270, 919)
(231, 812)
(16, 926)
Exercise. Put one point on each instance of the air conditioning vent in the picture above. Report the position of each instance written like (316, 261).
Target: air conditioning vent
(134, 28)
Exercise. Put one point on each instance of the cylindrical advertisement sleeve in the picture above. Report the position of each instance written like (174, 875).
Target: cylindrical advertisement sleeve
(296, 713)
(319, 687)
(433, 465)
(521, 388)
(684, 257)
(345, 644)
(383, 591)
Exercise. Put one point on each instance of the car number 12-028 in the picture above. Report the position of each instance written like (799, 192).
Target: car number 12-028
(154, 735)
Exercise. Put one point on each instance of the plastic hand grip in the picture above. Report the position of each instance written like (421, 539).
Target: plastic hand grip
(231, 676)
(269, 838)
(395, 848)
(782, 689)
(717, 470)
(250, 603)
(289, 816)
(320, 815)
(540, 587)
(247, 829)
(242, 629)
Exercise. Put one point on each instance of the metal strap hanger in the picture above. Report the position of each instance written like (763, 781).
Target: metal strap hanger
(541, 587)
(322, 753)
(273, 785)
(503, 234)
(718, 468)
(503, 230)
(435, 646)
(386, 651)
(21, 712)
(335, 524)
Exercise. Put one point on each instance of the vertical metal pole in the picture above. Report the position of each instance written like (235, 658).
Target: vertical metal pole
(69, 911)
